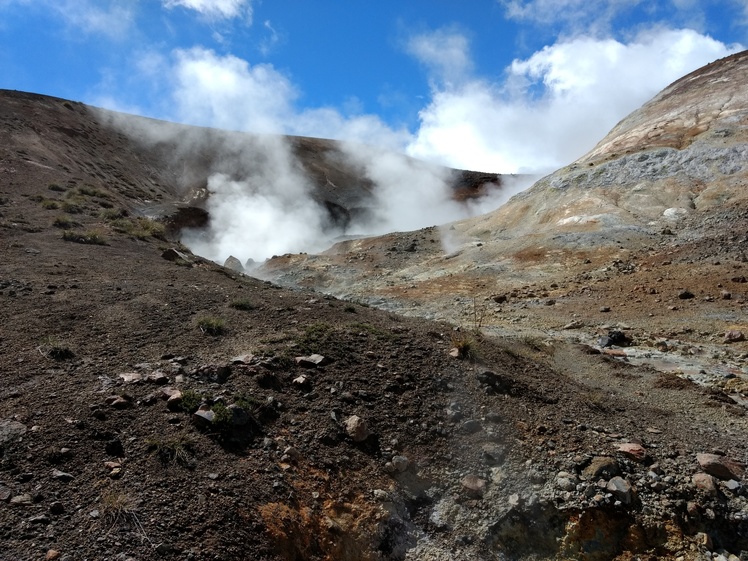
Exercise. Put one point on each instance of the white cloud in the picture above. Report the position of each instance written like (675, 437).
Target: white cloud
(226, 92)
(593, 16)
(446, 53)
(555, 105)
(215, 9)
(110, 18)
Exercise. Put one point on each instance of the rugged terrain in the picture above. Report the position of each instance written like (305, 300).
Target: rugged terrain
(158, 405)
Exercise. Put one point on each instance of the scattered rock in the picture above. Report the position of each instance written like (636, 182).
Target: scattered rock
(734, 336)
(311, 361)
(601, 466)
(203, 418)
(172, 254)
(11, 430)
(721, 467)
(576, 324)
(400, 463)
(633, 451)
(706, 483)
(471, 426)
(22, 500)
(356, 428)
(473, 485)
(131, 377)
(234, 264)
(621, 489)
(493, 454)
(62, 476)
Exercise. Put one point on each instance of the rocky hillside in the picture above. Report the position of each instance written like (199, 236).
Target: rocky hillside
(157, 405)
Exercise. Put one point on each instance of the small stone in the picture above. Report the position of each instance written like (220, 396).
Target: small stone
(234, 264)
(704, 540)
(94, 513)
(725, 295)
(601, 466)
(22, 500)
(118, 402)
(131, 377)
(400, 463)
(473, 485)
(734, 336)
(52, 554)
(61, 476)
(203, 418)
(356, 428)
(685, 295)
(733, 486)
(5, 493)
(56, 508)
(157, 377)
(721, 467)
(471, 426)
(706, 483)
(621, 489)
(576, 324)
(493, 454)
(633, 451)
(311, 361)
(604, 309)
(172, 254)
(112, 465)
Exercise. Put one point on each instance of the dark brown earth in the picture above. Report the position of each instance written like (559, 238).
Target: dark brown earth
(509, 450)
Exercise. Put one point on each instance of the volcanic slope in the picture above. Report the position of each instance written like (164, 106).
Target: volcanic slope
(646, 232)
(157, 405)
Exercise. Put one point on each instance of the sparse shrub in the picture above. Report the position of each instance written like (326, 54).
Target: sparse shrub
(315, 337)
(113, 214)
(248, 402)
(191, 400)
(244, 305)
(350, 309)
(36, 198)
(465, 345)
(90, 237)
(212, 326)
(56, 187)
(55, 349)
(176, 450)
(72, 208)
(89, 191)
(141, 228)
(50, 204)
(222, 418)
(120, 508)
(65, 222)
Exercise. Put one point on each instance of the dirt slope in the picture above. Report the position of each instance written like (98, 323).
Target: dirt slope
(388, 447)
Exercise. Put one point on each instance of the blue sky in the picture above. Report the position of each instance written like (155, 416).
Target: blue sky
(496, 85)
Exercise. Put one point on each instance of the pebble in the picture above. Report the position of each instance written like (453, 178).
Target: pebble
(633, 451)
(706, 483)
(604, 466)
(721, 467)
(62, 476)
(356, 428)
(473, 485)
(621, 489)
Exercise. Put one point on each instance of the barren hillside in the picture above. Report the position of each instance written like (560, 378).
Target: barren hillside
(158, 405)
